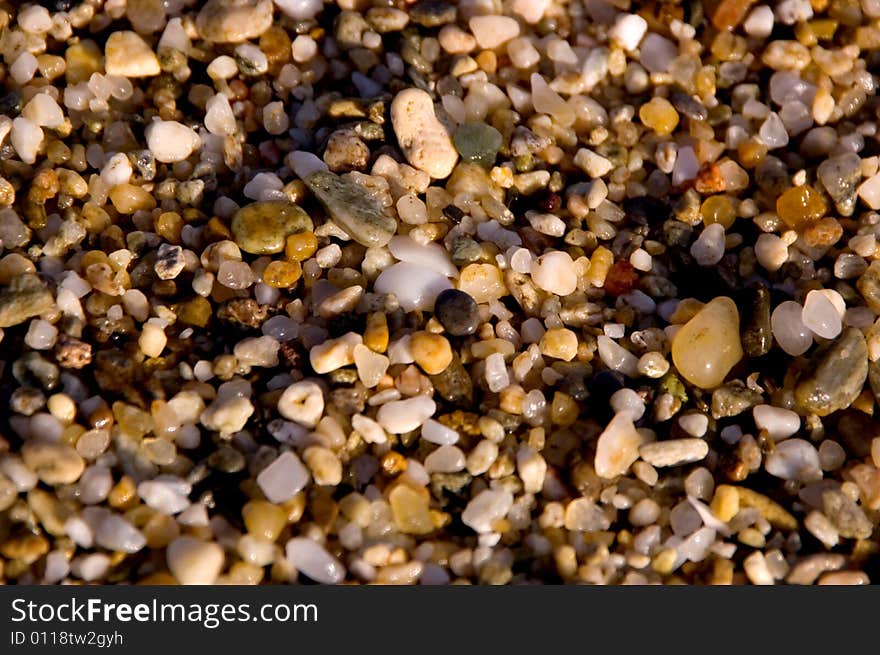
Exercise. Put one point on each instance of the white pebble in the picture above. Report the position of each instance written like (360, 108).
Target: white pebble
(401, 416)
(26, 137)
(41, 335)
(312, 560)
(302, 402)
(437, 433)
(820, 314)
(789, 330)
(628, 30)
(493, 31)
(170, 141)
(771, 251)
(44, 111)
(708, 249)
(778, 422)
(694, 424)
(616, 357)
(627, 400)
(446, 459)
(555, 272)
(283, 478)
(794, 459)
(486, 508)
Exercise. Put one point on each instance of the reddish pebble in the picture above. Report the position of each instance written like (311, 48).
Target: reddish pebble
(620, 279)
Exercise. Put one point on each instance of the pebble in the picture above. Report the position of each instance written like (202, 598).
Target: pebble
(303, 403)
(170, 141)
(493, 31)
(789, 330)
(794, 459)
(778, 422)
(425, 142)
(446, 459)
(416, 287)
(230, 410)
(618, 447)
(555, 272)
(708, 249)
(44, 111)
(757, 330)
(835, 374)
(402, 416)
(54, 463)
(353, 209)
(126, 54)
(820, 315)
(234, 21)
(115, 533)
(616, 357)
(846, 515)
(674, 452)
(334, 353)
(486, 508)
(457, 312)
(411, 509)
(840, 176)
(431, 352)
(430, 255)
(283, 478)
(584, 515)
(628, 31)
(435, 432)
(26, 137)
(262, 228)
(312, 560)
(708, 346)
(478, 143)
(324, 465)
(193, 561)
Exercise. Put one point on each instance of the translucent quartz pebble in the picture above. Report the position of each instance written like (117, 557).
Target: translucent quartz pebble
(821, 316)
(789, 330)
(416, 287)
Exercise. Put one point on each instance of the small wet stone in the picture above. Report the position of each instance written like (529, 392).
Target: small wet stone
(262, 228)
(845, 514)
(353, 209)
(835, 374)
(733, 399)
(432, 13)
(454, 384)
(458, 312)
(24, 298)
(757, 334)
(234, 21)
(708, 346)
(478, 143)
(840, 177)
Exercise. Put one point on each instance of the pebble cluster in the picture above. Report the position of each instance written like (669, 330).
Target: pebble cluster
(428, 292)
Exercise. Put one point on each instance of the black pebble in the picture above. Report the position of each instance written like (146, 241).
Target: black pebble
(457, 312)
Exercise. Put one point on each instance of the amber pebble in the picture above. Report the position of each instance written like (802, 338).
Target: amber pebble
(718, 209)
(282, 275)
(169, 225)
(659, 115)
(751, 153)
(299, 247)
(800, 205)
(128, 198)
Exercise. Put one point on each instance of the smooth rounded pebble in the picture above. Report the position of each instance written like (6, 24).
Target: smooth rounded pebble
(193, 561)
(425, 142)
